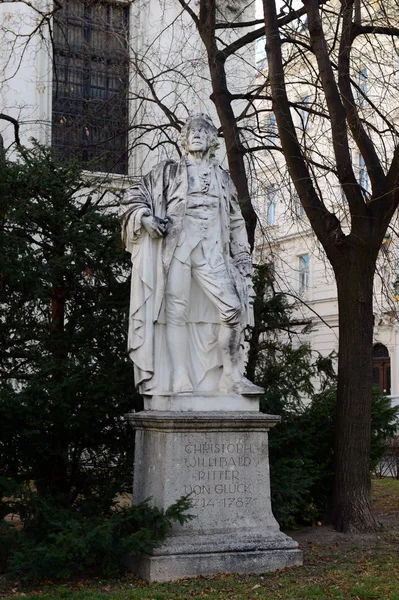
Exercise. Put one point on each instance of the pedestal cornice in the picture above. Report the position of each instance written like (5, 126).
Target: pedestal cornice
(202, 421)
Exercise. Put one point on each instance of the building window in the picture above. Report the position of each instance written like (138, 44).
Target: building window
(382, 368)
(395, 282)
(303, 24)
(271, 205)
(298, 206)
(363, 176)
(363, 86)
(271, 129)
(303, 274)
(260, 52)
(304, 112)
(90, 84)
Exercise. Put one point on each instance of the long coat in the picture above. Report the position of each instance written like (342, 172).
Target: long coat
(163, 193)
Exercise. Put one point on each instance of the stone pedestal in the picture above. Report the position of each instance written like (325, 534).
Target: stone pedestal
(220, 458)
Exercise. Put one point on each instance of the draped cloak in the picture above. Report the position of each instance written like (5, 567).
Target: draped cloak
(163, 193)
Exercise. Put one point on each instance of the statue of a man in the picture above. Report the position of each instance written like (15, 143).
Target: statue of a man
(191, 273)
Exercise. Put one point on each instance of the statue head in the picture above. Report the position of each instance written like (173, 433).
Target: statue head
(198, 131)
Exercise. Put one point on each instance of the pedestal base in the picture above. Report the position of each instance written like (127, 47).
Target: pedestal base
(221, 460)
(179, 566)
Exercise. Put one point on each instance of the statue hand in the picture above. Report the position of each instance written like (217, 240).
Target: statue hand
(155, 226)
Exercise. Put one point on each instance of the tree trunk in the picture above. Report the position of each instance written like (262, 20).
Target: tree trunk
(221, 97)
(234, 148)
(350, 508)
(58, 478)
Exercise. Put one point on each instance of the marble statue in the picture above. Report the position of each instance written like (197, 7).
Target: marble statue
(191, 273)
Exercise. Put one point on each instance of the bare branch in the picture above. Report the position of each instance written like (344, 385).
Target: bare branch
(357, 30)
(299, 171)
(239, 25)
(16, 127)
(190, 11)
(335, 108)
(363, 141)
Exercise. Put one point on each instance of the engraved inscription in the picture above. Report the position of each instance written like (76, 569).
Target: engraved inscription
(217, 448)
(216, 474)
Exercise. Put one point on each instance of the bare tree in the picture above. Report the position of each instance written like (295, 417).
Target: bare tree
(335, 37)
(322, 45)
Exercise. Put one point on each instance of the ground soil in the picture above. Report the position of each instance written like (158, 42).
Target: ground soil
(326, 541)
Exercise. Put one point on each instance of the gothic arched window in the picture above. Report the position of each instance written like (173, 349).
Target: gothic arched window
(382, 368)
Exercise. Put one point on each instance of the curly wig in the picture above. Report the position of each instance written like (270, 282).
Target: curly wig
(212, 132)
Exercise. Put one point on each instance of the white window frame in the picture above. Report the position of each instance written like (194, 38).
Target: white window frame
(260, 52)
(271, 205)
(363, 176)
(304, 274)
(272, 133)
(304, 113)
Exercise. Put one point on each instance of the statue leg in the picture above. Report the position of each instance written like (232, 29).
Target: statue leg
(229, 342)
(218, 286)
(232, 380)
(177, 295)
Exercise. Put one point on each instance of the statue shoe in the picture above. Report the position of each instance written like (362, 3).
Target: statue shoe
(182, 385)
(240, 385)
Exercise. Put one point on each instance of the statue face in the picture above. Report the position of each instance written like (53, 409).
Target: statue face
(197, 138)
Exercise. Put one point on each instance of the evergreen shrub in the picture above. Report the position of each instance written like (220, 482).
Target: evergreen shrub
(301, 455)
(67, 381)
(60, 542)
